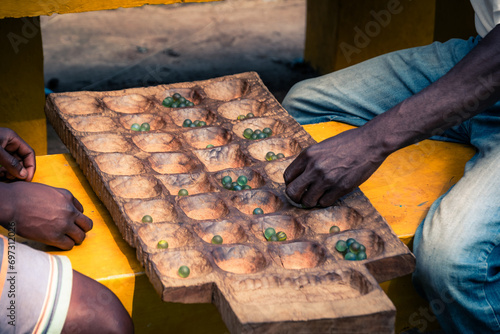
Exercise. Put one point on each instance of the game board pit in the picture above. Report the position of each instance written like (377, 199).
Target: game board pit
(159, 209)
(344, 217)
(106, 143)
(222, 157)
(255, 180)
(372, 241)
(288, 147)
(275, 169)
(93, 124)
(172, 163)
(179, 115)
(239, 259)
(203, 207)
(247, 201)
(260, 123)
(190, 94)
(78, 105)
(156, 142)
(135, 187)
(201, 137)
(155, 122)
(119, 164)
(168, 263)
(231, 110)
(128, 104)
(297, 255)
(226, 90)
(231, 232)
(287, 224)
(176, 236)
(194, 183)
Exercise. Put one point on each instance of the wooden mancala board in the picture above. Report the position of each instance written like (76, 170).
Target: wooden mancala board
(301, 284)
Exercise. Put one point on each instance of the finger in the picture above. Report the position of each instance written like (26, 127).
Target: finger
(76, 234)
(296, 189)
(64, 242)
(331, 196)
(84, 222)
(296, 168)
(77, 204)
(13, 165)
(17, 146)
(313, 194)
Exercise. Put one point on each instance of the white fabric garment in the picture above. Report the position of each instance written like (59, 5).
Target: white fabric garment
(487, 15)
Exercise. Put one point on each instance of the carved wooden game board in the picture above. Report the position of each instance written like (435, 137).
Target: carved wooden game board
(299, 285)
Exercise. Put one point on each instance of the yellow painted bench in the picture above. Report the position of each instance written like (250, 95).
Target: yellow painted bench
(401, 190)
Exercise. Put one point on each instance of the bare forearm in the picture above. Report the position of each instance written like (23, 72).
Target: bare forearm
(466, 90)
(6, 207)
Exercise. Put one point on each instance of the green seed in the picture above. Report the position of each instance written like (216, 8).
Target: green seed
(228, 186)
(246, 187)
(167, 102)
(241, 117)
(267, 131)
(281, 236)
(280, 155)
(145, 127)
(247, 133)
(269, 155)
(273, 238)
(189, 103)
(202, 123)
(183, 192)
(261, 135)
(258, 211)
(162, 244)
(361, 256)
(184, 271)
(210, 146)
(269, 232)
(341, 246)
(226, 179)
(362, 248)
(257, 132)
(350, 241)
(135, 127)
(196, 122)
(176, 96)
(242, 180)
(147, 219)
(250, 115)
(234, 184)
(217, 239)
(334, 229)
(354, 247)
(350, 256)
(237, 187)
(253, 136)
(182, 105)
(187, 123)
(181, 100)
(174, 105)
(274, 157)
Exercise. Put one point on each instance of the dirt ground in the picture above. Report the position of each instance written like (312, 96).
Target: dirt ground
(151, 45)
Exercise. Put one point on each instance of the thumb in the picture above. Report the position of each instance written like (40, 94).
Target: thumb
(13, 165)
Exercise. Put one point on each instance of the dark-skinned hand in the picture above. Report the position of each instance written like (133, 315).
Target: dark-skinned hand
(326, 171)
(42, 213)
(17, 158)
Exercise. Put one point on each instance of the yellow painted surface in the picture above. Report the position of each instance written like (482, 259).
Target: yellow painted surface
(401, 190)
(23, 8)
(22, 96)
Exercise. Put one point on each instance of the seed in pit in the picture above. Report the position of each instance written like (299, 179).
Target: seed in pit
(247, 133)
(145, 127)
(269, 232)
(258, 211)
(217, 240)
(147, 219)
(334, 229)
(242, 180)
(187, 123)
(280, 155)
(226, 179)
(162, 244)
(250, 115)
(135, 127)
(281, 236)
(267, 131)
(240, 117)
(183, 271)
(183, 192)
(210, 146)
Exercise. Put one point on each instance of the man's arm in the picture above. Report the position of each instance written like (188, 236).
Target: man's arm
(328, 170)
(17, 158)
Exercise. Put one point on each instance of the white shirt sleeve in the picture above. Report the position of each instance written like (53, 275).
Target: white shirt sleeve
(487, 15)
